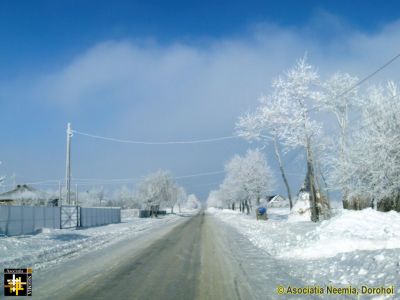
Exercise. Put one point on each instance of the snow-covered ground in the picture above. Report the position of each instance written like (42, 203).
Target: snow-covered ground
(52, 246)
(352, 248)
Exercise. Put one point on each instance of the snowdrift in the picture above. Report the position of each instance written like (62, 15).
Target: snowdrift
(348, 231)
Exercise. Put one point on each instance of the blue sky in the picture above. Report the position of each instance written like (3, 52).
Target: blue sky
(37, 33)
(163, 70)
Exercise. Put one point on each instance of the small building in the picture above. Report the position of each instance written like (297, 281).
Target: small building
(27, 195)
(277, 201)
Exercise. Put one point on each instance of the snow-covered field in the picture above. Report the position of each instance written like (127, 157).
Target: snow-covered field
(352, 248)
(55, 245)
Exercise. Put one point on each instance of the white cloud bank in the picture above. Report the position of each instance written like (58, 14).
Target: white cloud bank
(180, 90)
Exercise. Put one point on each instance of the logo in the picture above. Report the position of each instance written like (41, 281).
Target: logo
(18, 282)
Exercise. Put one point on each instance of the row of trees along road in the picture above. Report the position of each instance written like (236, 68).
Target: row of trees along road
(248, 179)
(361, 158)
(158, 188)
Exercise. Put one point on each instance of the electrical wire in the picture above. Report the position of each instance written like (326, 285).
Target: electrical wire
(99, 181)
(370, 75)
(360, 82)
(200, 174)
(210, 140)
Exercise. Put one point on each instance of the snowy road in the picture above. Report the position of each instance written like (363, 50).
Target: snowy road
(199, 258)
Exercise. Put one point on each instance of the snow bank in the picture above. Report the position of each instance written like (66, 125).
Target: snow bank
(349, 231)
(353, 248)
(346, 232)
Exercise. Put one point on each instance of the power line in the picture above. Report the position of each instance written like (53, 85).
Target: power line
(209, 140)
(200, 174)
(104, 179)
(370, 75)
(138, 178)
(97, 181)
(360, 82)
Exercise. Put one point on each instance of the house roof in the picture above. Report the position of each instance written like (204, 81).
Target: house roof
(23, 192)
(275, 198)
(6, 200)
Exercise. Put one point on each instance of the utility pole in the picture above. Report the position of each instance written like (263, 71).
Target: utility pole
(68, 164)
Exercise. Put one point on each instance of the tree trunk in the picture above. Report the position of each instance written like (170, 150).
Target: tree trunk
(311, 185)
(233, 206)
(345, 192)
(278, 157)
(247, 207)
(326, 188)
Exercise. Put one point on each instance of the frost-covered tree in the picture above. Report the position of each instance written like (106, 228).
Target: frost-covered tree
(285, 115)
(371, 171)
(92, 197)
(123, 197)
(248, 179)
(158, 188)
(173, 197)
(297, 91)
(214, 200)
(262, 125)
(181, 198)
(340, 97)
(193, 202)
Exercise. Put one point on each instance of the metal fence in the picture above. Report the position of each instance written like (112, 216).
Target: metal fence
(16, 220)
(96, 216)
(19, 220)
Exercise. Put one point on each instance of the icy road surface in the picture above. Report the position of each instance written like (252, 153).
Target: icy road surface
(200, 258)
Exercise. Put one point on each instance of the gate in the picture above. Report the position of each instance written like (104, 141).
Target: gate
(69, 217)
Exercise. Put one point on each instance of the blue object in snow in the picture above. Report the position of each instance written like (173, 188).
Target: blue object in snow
(262, 210)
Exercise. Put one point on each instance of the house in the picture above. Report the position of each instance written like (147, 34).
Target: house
(26, 195)
(277, 201)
